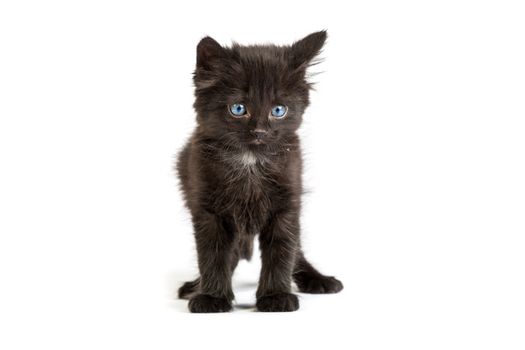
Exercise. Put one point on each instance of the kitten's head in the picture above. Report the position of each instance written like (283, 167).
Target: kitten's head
(253, 96)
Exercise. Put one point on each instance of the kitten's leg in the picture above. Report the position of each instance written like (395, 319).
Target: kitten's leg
(278, 243)
(192, 287)
(309, 280)
(215, 243)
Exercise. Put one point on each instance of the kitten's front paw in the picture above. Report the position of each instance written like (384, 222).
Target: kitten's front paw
(319, 285)
(282, 302)
(203, 303)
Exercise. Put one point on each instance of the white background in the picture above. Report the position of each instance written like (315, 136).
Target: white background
(414, 147)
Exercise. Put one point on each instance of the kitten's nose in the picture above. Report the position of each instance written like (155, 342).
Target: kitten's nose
(259, 133)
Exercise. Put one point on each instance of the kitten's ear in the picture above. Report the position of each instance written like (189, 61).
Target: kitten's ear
(209, 52)
(306, 49)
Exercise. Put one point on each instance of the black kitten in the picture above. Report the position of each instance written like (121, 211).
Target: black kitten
(241, 172)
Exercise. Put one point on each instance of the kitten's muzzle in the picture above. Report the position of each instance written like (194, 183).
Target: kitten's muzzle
(259, 134)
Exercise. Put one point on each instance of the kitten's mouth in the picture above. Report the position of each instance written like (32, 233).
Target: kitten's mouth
(257, 142)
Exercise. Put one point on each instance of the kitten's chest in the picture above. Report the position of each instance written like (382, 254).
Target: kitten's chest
(246, 188)
(248, 179)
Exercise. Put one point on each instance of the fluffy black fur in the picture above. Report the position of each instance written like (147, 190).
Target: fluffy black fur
(241, 176)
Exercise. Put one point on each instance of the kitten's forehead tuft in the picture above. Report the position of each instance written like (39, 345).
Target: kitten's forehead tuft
(265, 68)
(268, 57)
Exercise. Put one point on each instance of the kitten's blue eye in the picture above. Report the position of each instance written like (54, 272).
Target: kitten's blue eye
(238, 109)
(279, 111)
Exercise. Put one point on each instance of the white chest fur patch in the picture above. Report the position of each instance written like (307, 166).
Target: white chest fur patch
(247, 158)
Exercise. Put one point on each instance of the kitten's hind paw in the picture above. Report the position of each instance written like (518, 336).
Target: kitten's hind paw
(319, 285)
(282, 302)
(188, 288)
(203, 303)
